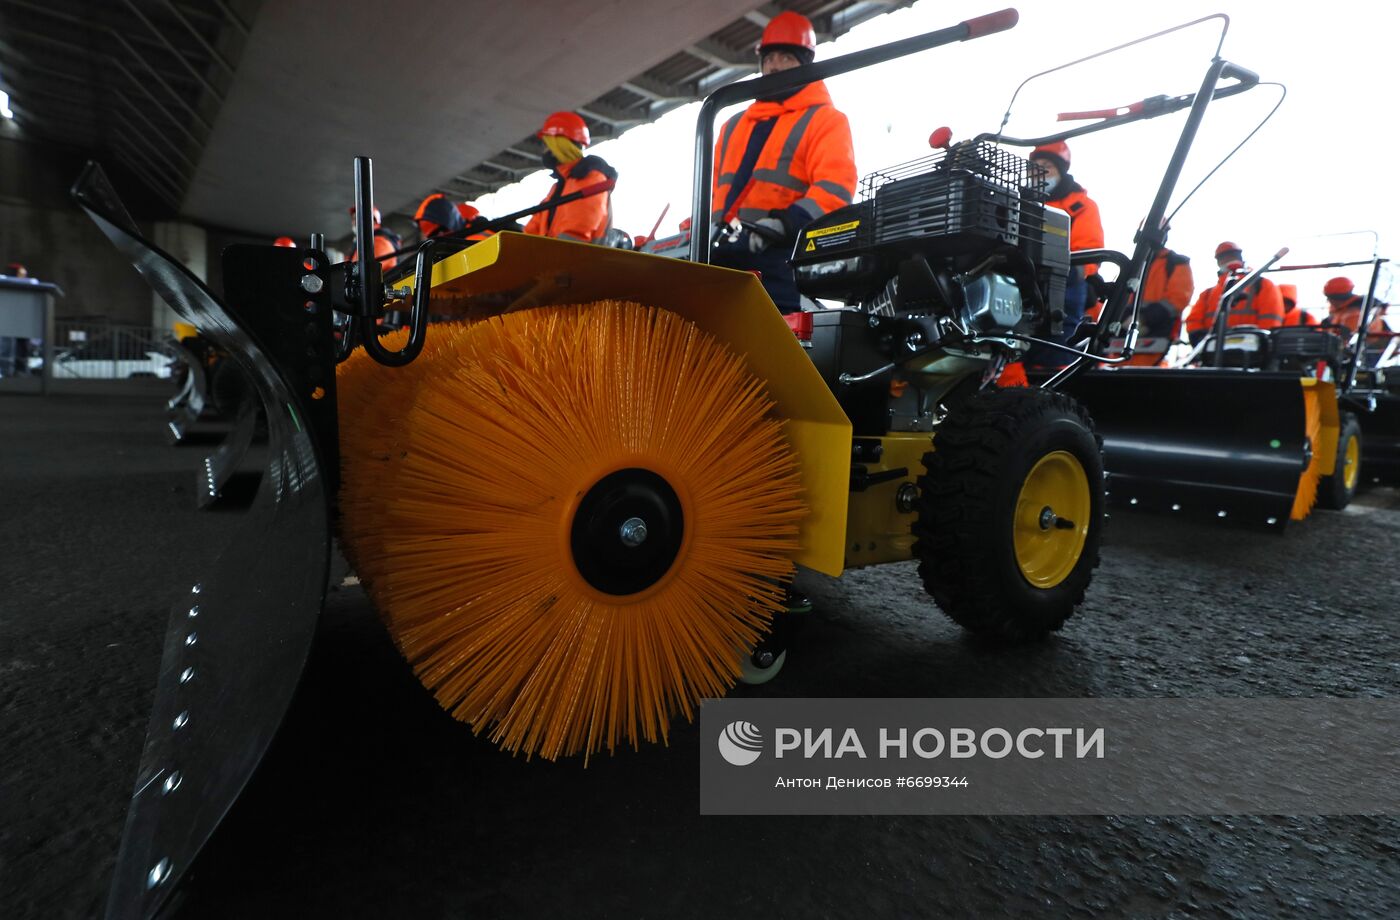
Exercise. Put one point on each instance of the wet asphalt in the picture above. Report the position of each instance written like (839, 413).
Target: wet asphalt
(372, 802)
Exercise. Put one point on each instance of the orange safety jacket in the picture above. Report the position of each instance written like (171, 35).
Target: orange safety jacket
(807, 166)
(386, 243)
(1169, 281)
(1085, 224)
(586, 219)
(1348, 314)
(1298, 317)
(1261, 305)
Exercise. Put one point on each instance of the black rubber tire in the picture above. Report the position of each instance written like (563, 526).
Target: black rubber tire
(1332, 491)
(982, 454)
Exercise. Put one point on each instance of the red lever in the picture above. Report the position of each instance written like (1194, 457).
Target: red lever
(800, 324)
(992, 22)
(1101, 113)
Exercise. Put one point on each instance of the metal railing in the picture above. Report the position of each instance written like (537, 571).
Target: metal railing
(99, 349)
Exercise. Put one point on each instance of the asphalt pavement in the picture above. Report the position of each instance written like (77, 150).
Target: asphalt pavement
(372, 802)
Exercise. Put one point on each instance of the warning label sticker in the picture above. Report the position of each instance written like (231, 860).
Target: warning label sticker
(827, 237)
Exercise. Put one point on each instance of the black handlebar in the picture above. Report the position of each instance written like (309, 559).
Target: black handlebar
(367, 280)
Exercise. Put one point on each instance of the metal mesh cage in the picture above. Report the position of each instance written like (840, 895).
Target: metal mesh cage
(984, 160)
(960, 196)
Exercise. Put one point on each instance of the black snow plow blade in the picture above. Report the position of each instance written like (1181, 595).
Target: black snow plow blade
(1223, 444)
(1380, 441)
(237, 637)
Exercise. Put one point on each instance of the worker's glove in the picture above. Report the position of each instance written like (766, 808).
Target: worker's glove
(766, 232)
(1098, 286)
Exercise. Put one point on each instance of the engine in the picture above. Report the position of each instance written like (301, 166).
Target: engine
(958, 237)
(940, 262)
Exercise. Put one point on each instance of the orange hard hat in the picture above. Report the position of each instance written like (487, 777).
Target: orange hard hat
(789, 29)
(468, 212)
(1227, 246)
(1337, 287)
(286, 242)
(1289, 292)
(566, 124)
(1056, 152)
(378, 218)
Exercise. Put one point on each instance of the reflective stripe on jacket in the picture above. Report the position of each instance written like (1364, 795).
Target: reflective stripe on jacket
(806, 168)
(1261, 305)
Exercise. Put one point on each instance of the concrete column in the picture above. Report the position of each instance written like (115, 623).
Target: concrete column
(189, 245)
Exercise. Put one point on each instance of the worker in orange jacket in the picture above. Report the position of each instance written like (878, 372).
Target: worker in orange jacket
(1050, 172)
(478, 226)
(588, 219)
(1292, 316)
(780, 164)
(1165, 295)
(1260, 305)
(436, 216)
(386, 241)
(1344, 307)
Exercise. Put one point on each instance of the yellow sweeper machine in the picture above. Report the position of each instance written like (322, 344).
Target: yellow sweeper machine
(1255, 427)
(576, 498)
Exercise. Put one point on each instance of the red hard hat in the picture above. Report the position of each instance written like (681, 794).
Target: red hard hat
(789, 28)
(286, 242)
(378, 218)
(1058, 150)
(468, 212)
(1337, 287)
(1227, 246)
(566, 124)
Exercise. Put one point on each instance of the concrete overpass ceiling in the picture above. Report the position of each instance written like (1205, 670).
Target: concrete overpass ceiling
(243, 114)
(138, 82)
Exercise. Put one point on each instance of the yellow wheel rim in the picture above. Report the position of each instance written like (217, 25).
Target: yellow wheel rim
(1351, 457)
(1052, 519)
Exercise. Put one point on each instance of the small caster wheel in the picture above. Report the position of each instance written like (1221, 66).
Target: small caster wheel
(761, 667)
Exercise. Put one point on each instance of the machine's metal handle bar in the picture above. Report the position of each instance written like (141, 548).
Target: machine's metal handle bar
(597, 188)
(369, 274)
(369, 299)
(1298, 268)
(1129, 346)
(1153, 235)
(501, 223)
(1227, 303)
(418, 316)
(1099, 256)
(1368, 306)
(1224, 28)
(787, 80)
(848, 379)
(1155, 107)
(657, 226)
